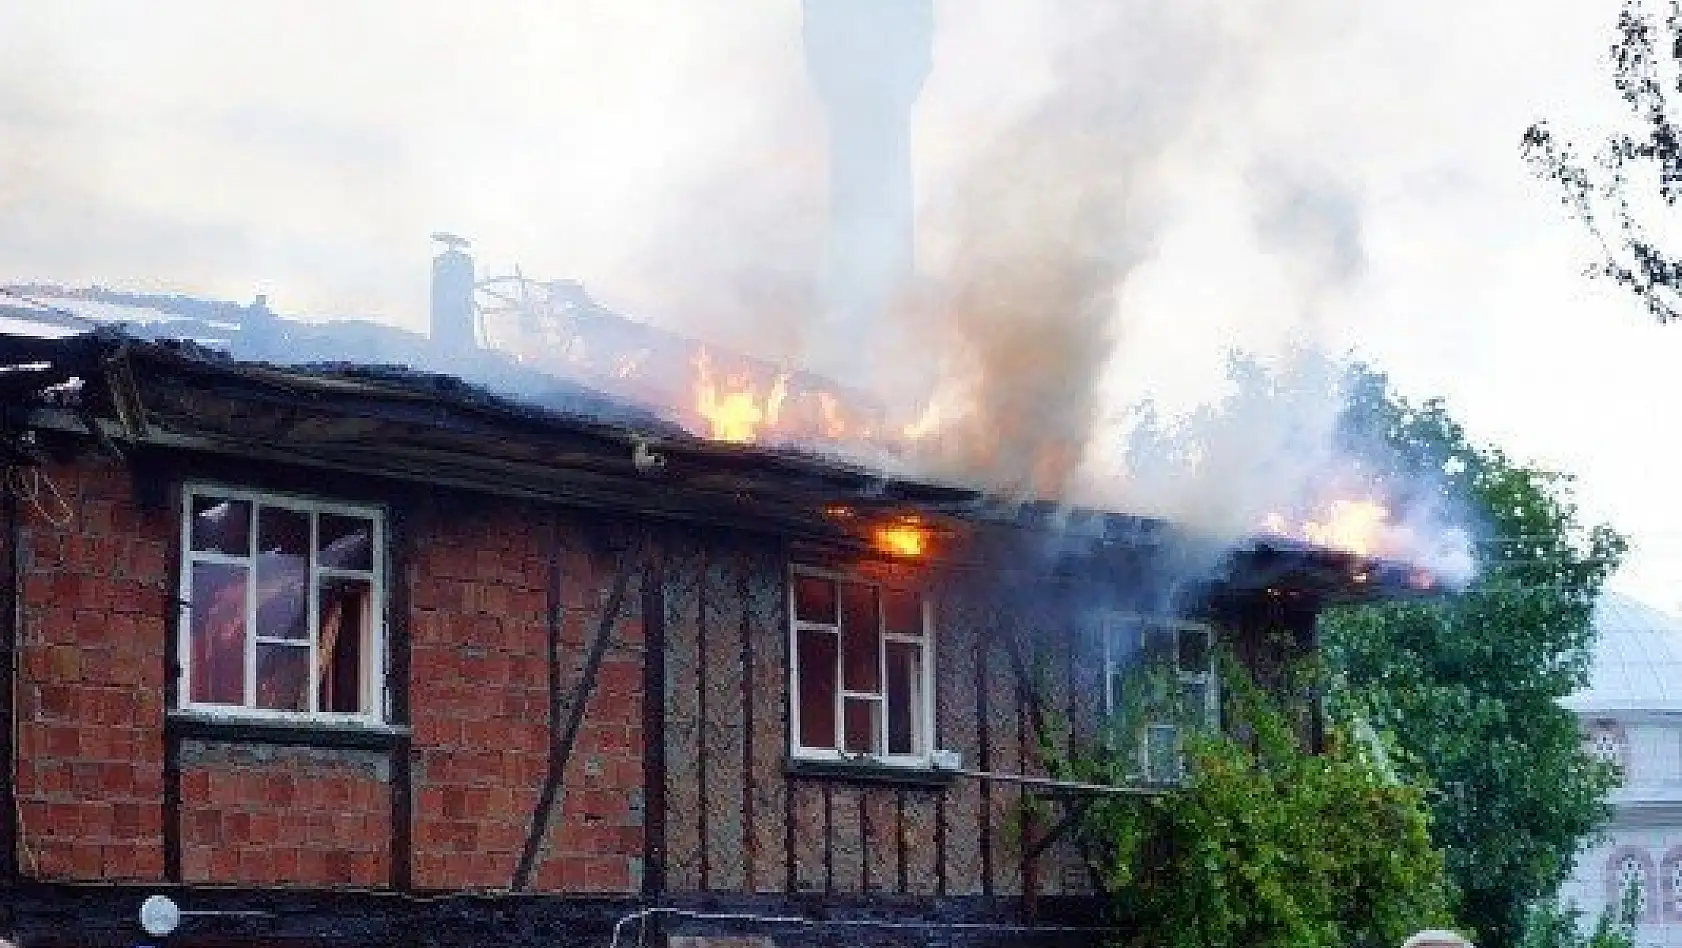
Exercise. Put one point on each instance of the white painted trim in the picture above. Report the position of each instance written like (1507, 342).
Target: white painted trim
(923, 722)
(1111, 621)
(373, 658)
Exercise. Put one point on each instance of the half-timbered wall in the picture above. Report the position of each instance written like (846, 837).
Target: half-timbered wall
(737, 819)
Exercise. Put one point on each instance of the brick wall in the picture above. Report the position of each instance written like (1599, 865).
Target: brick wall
(90, 686)
(480, 590)
(97, 592)
(284, 815)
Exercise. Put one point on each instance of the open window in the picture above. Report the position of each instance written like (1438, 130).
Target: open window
(283, 601)
(1159, 682)
(861, 670)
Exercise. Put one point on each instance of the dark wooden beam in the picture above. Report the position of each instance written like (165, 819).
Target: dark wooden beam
(11, 629)
(565, 737)
(654, 726)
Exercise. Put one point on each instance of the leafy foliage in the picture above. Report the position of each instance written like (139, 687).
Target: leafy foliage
(1468, 685)
(1264, 845)
(1597, 190)
(1553, 925)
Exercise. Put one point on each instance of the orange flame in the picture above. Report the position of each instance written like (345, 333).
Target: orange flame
(1354, 526)
(735, 412)
(905, 538)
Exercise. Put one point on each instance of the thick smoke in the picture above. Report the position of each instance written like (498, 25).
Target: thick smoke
(1028, 245)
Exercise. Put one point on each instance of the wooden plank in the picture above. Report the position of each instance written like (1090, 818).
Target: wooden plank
(810, 833)
(880, 812)
(846, 839)
(723, 714)
(957, 721)
(767, 624)
(920, 814)
(1003, 755)
(683, 718)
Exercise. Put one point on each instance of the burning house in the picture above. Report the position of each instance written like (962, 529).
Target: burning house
(330, 651)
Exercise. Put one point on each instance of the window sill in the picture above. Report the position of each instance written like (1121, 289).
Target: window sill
(871, 772)
(235, 728)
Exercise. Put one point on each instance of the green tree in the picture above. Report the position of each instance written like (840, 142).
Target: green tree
(1468, 684)
(1552, 925)
(1463, 686)
(1263, 844)
(1635, 168)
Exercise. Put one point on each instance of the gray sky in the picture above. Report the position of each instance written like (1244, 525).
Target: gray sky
(1350, 177)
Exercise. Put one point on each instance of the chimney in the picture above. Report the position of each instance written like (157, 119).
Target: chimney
(454, 317)
(868, 60)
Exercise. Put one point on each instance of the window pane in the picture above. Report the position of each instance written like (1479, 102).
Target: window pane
(346, 620)
(1194, 651)
(905, 698)
(217, 634)
(347, 542)
(221, 526)
(902, 612)
(1124, 642)
(1162, 753)
(1195, 695)
(1118, 691)
(1159, 645)
(817, 688)
(283, 570)
(283, 676)
(864, 726)
(861, 639)
(814, 599)
(282, 531)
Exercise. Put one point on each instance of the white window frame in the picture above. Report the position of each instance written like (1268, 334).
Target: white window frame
(925, 736)
(1110, 629)
(373, 678)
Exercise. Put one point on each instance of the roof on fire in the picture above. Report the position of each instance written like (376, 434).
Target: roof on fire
(552, 439)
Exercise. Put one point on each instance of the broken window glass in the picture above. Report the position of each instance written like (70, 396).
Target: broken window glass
(346, 615)
(346, 542)
(283, 676)
(283, 605)
(861, 658)
(864, 725)
(902, 612)
(861, 638)
(817, 658)
(814, 599)
(217, 650)
(905, 697)
(221, 526)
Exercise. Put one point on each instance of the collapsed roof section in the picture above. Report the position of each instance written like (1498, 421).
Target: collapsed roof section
(566, 443)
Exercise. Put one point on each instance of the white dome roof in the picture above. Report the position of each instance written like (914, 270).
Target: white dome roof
(1637, 659)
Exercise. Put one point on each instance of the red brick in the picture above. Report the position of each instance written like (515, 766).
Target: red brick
(149, 862)
(116, 780)
(287, 865)
(86, 860)
(265, 827)
(195, 863)
(126, 821)
(203, 826)
(63, 741)
(195, 786)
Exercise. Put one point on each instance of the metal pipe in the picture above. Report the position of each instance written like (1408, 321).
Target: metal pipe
(1054, 784)
(756, 919)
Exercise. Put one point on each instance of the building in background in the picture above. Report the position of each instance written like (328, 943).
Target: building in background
(1631, 714)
